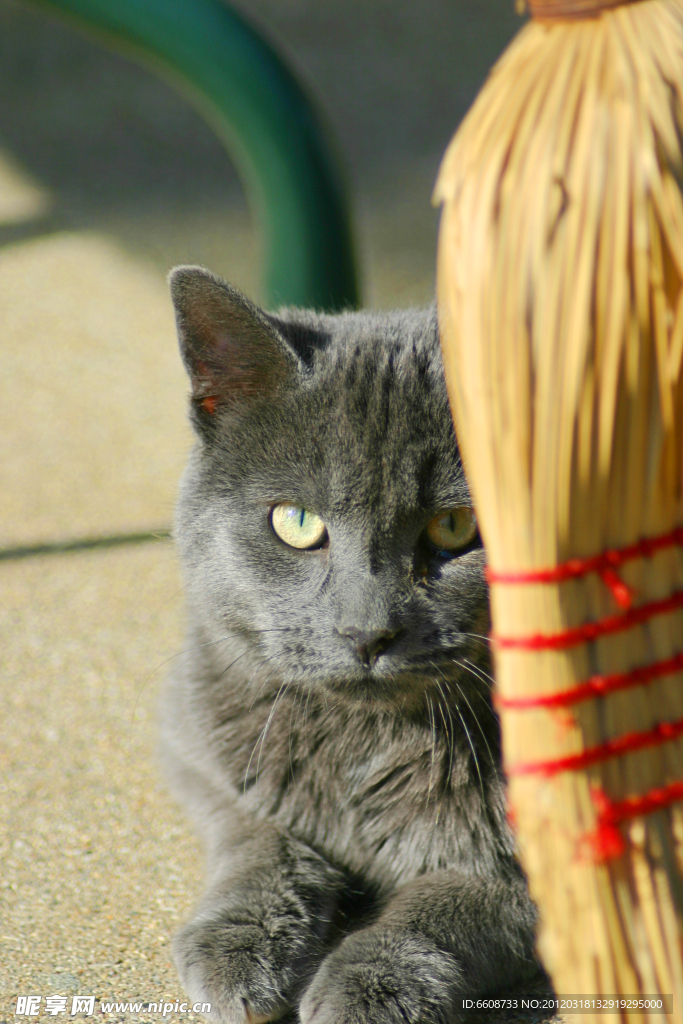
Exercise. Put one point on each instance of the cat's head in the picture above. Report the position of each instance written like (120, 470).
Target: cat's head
(324, 517)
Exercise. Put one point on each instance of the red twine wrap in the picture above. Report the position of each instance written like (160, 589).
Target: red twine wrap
(607, 841)
(596, 686)
(569, 10)
(604, 564)
(591, 630)
(662, 733)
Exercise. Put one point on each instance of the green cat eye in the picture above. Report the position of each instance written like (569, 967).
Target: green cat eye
(297, 526)
(453, 529)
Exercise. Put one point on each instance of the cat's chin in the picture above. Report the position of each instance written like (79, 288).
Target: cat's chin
(403, 693)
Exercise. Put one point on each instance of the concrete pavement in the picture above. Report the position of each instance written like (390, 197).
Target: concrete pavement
(107, 178)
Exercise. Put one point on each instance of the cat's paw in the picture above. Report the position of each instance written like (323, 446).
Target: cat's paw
(247, 971)
(378, 976)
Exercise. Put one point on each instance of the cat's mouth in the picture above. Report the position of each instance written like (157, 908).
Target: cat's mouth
(446, 681)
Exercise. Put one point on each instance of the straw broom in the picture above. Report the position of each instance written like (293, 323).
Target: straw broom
(560, 287)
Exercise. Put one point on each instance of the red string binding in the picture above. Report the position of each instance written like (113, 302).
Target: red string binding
(590, 630)
(665, 732)
(596, 686)
(604, 564)
(606, 841)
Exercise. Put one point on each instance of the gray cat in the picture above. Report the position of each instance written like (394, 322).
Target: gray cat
(331, 729)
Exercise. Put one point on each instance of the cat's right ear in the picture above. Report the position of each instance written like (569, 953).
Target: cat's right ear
(232, 352)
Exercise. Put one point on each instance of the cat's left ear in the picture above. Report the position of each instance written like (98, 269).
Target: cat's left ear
(233, 353)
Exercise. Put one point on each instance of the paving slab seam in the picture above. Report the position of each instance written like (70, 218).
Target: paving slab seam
(82, 544)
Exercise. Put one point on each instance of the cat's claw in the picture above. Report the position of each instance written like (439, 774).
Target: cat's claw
(232, 967)
(254, 1018)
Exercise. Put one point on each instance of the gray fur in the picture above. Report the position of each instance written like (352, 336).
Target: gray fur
(360, 864)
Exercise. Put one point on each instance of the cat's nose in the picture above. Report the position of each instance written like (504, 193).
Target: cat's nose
(369, 644)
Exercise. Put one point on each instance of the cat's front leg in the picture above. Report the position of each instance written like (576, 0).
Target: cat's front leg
(259, 932)
(440, 939)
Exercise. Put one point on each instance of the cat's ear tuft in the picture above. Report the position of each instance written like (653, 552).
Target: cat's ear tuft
(233, 353)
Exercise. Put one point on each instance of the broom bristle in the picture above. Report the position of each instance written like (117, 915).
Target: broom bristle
(560, 276)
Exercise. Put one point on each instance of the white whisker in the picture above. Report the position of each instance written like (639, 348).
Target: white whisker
(281, 692)
(477, 722)
(262, 735)
(432, 721)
